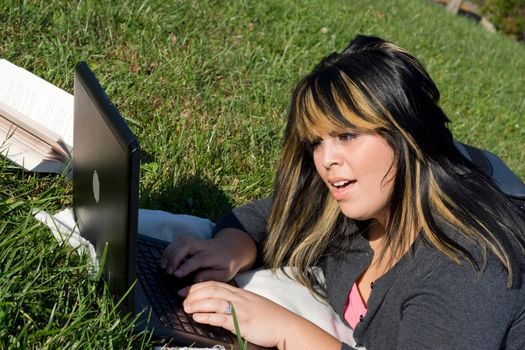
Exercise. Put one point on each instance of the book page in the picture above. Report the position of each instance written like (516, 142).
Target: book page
(37, 99)
(28, 151)
(23, 122)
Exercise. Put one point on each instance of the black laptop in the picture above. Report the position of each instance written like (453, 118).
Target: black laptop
(106, 164)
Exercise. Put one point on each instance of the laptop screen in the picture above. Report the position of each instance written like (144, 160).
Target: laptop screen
(106, 166)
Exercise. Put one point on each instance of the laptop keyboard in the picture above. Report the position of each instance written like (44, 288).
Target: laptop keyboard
(161, 290)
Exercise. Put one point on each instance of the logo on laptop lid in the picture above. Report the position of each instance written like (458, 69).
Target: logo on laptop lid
(96, 187)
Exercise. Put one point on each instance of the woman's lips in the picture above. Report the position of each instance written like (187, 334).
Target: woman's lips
(340, 188)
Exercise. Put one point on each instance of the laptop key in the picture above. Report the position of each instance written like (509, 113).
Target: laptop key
(174, 322)
(199, 331)
(164, 320)
(187, 327)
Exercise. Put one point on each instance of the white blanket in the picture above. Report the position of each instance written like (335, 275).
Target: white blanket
(167, 226)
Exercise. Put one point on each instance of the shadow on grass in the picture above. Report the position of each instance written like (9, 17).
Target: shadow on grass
(192, 195)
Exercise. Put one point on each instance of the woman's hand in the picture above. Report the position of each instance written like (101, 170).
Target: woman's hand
(261, 321)
(219, 258)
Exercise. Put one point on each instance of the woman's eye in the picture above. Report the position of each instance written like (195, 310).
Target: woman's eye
(314, 143)
(347, 136)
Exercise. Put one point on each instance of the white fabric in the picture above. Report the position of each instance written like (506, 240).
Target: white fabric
(65, 230)
(167, 226)
(286, 292)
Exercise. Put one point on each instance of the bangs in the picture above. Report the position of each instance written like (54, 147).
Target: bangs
(330, 103)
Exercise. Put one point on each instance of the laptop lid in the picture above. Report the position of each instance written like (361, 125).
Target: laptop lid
(106, 163)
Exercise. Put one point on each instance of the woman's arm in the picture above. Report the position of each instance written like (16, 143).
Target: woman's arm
(251, 218)
(459, 308)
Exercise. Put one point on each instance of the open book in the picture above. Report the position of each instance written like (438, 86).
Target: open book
(36, 121)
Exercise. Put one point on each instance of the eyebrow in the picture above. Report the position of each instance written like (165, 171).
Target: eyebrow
(345, 131)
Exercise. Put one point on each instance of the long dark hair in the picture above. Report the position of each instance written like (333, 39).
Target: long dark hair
(375, 86)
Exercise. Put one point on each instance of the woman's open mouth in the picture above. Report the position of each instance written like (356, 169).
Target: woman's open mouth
(342, 184)
(340, 188)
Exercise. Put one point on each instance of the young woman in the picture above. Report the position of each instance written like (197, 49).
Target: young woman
(419, 249)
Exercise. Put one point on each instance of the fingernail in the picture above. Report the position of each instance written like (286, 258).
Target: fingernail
(177, 273)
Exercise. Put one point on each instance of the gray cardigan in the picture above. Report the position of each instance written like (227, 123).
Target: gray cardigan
(425, 301)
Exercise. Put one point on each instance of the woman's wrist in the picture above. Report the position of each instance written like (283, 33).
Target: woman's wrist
(242, 246)
(303, 334)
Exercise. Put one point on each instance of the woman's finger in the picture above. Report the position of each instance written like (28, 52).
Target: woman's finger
(222, 275)
(209, 289)
(193, 263)
(216, 312)
(216, 319)
(176, 252)
(218, 306)
(176, 243)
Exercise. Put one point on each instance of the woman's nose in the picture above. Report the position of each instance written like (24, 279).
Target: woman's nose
(330, 155)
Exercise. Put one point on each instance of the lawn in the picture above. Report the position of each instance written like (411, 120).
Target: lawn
(205, 86)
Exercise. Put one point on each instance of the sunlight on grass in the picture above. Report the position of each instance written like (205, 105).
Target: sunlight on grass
(205, 85)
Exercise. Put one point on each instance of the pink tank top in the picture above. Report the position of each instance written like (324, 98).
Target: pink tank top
(355, 307)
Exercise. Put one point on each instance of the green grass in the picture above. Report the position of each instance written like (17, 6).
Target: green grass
(47, 299)
(205, 86)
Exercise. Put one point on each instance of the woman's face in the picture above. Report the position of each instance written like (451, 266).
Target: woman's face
(358, 170)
